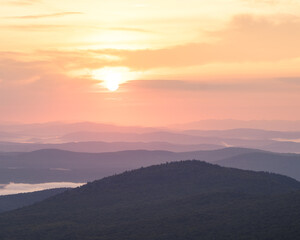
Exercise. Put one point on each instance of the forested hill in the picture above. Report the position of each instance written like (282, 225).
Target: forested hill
(14, 201)
(181, 200)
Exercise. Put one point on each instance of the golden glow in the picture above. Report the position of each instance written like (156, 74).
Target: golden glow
(112, 80)
(79, 57)
(112, 77)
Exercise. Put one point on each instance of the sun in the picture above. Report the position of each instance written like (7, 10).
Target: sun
(112, 80)
(112, 77)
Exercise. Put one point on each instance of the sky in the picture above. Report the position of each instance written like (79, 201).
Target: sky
(149, 62)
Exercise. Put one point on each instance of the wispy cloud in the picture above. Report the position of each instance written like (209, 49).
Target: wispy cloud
(270, 2)
(264, 85)
(247, 39)
(47, 27)
(35, 27)
(295, 81)
(59, 14)
(22, 2)
(128, 29)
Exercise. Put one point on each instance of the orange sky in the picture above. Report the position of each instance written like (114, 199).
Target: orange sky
(168, 61)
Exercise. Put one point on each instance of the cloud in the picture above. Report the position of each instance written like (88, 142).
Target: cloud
(270, 2)
(59, 14)
(40, 88)
(18, 69)
(64, 69)
(14, 72)
(179, 85)
(128, 29)
(19, 72)
(246, 39)
(54, 27)
(22, 2)
(80, 59)
(295, 81)
(35, 27)
(264, 85)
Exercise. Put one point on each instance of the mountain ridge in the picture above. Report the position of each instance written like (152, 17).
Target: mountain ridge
(180, 200)
(45, 165)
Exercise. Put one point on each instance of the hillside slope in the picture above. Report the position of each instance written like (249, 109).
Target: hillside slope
(181, 200)
(11, 202)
